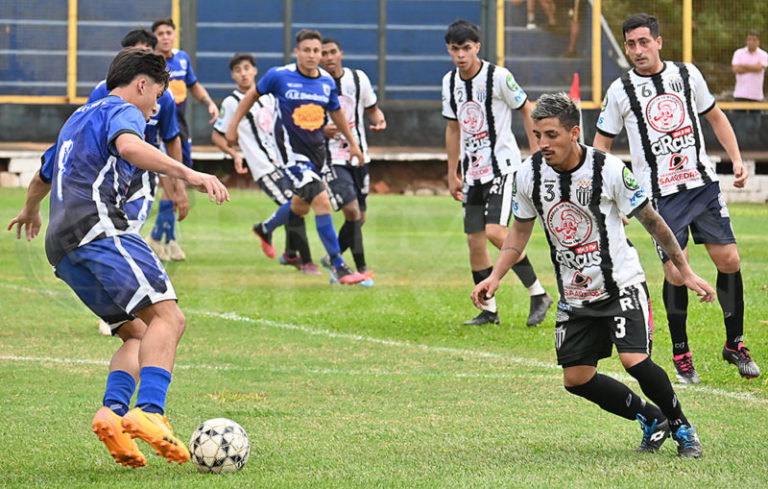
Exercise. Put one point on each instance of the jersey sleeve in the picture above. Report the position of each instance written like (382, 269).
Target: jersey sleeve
(367, 96)
(267, 83)
(448, 111)
(226, 112)
(167, 119)
(333, 99)
(508, 89)
(99, 92)
(190, 78)
(522, 205)
(705, 101)
(47, 160)
(610, 121)
(624, 188)
(126, 119)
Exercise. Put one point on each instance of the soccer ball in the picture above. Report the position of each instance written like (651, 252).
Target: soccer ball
(219, 446)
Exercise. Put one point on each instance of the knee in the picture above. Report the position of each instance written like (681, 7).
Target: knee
(476, 242)
(351, 212)
(181, 322)
(730, 263)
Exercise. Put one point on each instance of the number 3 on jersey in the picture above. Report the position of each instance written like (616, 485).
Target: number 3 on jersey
(621, 328)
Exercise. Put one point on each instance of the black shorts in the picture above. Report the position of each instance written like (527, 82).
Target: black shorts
(584, 335)
(277, 186)
(347, 184)
(488, 203)
(702, 209)
(310, 190)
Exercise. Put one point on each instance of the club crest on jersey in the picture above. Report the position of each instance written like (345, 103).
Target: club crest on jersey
(584, 192)
(665, 112)
(326, 89)
(569, 224)
(629, 180)
(471, 117)
(676, 84)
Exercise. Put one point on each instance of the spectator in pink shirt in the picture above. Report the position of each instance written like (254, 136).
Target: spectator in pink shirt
(749, 64)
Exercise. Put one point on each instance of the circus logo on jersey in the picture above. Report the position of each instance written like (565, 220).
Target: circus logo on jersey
(179, 90)
(584, 192)
(309, 117)
(471, 117)
(348, 104)
(569, 224)
(581, 280)
(665, 112)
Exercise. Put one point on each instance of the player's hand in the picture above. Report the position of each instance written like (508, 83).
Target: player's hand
(181, 204)
(330, 130)
(239, 168)
(231, 136)
(379, 126)
(32, 222)
(740, 174)
(213, 111)
(355, 152)
(701, 287)
(624, 220)
(455, 187)
(484, 291)
(210, 185)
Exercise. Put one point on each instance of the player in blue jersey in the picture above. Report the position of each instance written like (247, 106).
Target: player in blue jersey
(304, 93)
(111, 269)
(183, 81)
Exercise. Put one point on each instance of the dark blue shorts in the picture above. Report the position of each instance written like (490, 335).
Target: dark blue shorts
(277, 185)
(186, 152)
(701, 209)
(116, 277)
(347, 184)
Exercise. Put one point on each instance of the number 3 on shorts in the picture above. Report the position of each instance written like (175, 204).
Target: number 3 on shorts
(621, 330)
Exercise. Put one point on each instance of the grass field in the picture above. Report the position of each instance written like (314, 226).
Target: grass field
(357, 387)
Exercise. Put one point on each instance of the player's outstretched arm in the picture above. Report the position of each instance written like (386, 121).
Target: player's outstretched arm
(453, 150)
(509, 254)
(201, 94)
(601, 142)
(727, 138)
(250, 98)
(660, 231)
(340, 119)
(174, 188)
(220, 142)
(143, 155)
(525, 111)
(29, 217)
(378, 121)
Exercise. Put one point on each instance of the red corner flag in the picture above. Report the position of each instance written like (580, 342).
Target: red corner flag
(575, 95)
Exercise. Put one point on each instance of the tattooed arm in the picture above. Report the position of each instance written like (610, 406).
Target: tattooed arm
(660, 232)
(509, 254)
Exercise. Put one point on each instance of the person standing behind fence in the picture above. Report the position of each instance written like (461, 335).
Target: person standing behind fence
(749, 64)
(183, 81)
(478, 99)
(659, 103)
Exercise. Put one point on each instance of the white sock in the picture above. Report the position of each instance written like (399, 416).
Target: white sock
(536, 289)
(490, 304)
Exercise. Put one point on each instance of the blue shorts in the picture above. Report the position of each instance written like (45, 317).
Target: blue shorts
(277, 186)
(347, 184)
(116, 277)
(186, 152)
(702, 209)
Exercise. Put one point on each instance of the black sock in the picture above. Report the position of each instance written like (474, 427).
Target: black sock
(297, 231)
(480, 275)
(730, 293)
(524, 271)
(345, 236)
(358, 251)
(655, 384)
(676, 302)
(616, 398)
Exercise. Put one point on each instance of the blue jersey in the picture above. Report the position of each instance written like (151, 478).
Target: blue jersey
(182, 77)
(89, 180)
(162, 126)
(302, 103)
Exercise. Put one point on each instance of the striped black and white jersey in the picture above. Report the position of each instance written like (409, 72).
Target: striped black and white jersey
(255, 132)
(355, 95)
(483, 108)
(580, 211)
(661, 114)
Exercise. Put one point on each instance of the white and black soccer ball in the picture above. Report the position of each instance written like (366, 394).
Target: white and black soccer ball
(219, 446)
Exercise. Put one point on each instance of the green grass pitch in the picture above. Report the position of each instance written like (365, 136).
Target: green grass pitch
(360, 388)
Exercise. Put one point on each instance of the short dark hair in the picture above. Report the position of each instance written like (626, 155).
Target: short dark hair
(167, 21)
(305, 34)
(754, 32)
(641, 20)
(239, 58)
(132, 62)
(462, 31)
(137, 36)
(330, 40)
(557, 105)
